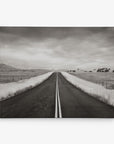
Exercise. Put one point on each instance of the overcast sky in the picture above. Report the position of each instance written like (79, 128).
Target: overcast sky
(57, 48)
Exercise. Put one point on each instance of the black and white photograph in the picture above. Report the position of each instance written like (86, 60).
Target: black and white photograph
(56, 72)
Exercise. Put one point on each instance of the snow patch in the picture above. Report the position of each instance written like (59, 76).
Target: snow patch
(11, 89)
(96, 90)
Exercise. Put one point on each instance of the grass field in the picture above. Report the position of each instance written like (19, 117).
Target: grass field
(16, 75)
(103, 78)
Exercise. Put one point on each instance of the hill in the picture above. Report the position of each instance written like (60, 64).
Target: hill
(4, 67)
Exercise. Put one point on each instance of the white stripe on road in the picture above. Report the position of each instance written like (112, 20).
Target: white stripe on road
(56, 107)
(58, 112)
(59, 104)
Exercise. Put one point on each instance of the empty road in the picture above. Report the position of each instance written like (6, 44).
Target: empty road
(55, 98)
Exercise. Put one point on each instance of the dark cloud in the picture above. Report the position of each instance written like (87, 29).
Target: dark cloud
(51, 32)
(56, 46)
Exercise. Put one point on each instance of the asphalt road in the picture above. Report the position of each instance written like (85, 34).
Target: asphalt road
(55, 98)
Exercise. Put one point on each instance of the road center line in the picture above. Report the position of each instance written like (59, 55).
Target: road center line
(59, 105)
(56, 105)
(58, 111)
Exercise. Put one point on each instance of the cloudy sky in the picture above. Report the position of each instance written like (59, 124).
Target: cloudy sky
(57, 48)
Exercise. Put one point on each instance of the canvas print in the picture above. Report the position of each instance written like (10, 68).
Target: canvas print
(56, 72)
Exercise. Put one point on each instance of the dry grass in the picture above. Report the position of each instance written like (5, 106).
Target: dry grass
(102, 78)
(16, 75)
(93, 89)
(8, 90)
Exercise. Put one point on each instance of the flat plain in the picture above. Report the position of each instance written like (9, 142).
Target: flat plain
(103, 78)
(16, 75)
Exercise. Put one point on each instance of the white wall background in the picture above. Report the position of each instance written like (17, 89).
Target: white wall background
(56, 13)
(65, 131)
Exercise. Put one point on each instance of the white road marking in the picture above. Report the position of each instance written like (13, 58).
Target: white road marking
(59, 104)
(56, 105)
(58, 111)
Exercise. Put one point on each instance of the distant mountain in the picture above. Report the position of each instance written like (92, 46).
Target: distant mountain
(4, 67)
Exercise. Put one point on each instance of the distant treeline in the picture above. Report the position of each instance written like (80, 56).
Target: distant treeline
(95, 70)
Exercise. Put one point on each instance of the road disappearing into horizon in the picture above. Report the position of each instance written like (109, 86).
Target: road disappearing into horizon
(55, 98)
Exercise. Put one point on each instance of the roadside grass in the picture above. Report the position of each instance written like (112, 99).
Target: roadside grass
(17, 75)
(93, 89)
(105, 79)
(8, 90)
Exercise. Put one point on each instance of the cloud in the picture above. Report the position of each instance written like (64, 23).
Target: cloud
(56, 47)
